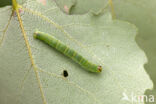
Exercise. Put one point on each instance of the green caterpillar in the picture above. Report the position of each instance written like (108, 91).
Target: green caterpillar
(61, 47)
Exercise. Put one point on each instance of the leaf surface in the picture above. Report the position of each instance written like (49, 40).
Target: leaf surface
(145, 19)
(31, 71)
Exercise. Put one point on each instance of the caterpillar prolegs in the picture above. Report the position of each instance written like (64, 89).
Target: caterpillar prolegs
(61, 47)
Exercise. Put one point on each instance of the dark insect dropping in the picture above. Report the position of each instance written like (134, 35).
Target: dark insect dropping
(65, 73)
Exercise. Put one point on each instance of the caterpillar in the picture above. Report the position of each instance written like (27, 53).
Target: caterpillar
(67, 51)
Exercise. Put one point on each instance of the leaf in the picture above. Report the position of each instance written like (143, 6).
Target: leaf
(81, 6)
(145, 20)
(5, 3)
(141, 13)
(31, 72)
(66, 5)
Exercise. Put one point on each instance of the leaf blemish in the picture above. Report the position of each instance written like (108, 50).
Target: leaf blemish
(65, 73)
(43, 2)
(19, 10)
(66, 9)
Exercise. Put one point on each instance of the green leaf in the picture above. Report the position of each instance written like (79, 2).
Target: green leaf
(5, 3)
(81, 6)
(66, 5)
(31, 72)
(142, 14)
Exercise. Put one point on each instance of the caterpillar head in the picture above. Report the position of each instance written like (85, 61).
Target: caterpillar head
(99, 68)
